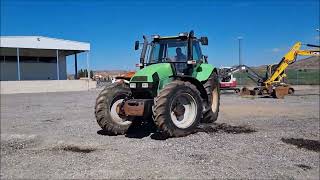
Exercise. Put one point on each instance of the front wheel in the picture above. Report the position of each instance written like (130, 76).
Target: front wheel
(177, 109)
(106, 109)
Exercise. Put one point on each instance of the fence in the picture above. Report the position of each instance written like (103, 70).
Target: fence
(102, 83)
(294, 77)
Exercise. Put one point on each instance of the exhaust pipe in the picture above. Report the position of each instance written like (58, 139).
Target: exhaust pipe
(190, 48)
(143, 52)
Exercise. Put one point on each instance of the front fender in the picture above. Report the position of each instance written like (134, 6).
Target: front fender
(204, 71)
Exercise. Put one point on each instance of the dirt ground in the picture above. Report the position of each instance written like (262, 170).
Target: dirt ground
(54, 135)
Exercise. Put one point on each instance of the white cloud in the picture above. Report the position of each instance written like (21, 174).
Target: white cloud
(317, 37)
(275, 49)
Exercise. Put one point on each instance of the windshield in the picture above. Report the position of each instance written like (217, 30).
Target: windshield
(172, 50)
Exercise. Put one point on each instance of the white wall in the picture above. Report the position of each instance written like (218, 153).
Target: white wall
(14, 87)
(34, 71)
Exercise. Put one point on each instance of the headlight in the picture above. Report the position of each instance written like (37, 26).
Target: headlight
(144, 85)
(133, 85)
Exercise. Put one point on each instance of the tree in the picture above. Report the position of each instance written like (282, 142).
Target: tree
(91, 74)
(84, 73)
(80, 73)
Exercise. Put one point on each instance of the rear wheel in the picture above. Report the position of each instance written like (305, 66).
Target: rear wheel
(106, 109)
(177, 109)
(211, 110)
(291, 90)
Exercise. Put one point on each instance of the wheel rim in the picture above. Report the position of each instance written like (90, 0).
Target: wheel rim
(115, 116)
(214, 102)
(183, 110)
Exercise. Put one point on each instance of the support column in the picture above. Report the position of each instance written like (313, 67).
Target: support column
(75, 66)
(18, 63)
(88, 69)
(58, 73)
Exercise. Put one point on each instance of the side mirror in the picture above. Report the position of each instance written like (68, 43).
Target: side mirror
(136, 45)
(205, 57)
(204, 40)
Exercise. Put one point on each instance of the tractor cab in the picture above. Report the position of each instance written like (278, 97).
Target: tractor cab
(175, 50)
(182, 51)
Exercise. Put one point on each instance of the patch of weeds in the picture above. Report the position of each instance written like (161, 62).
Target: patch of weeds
(75, 148)
(304, 167)
(48, 120)
(51, 120)
(308, 144)
(225, 128)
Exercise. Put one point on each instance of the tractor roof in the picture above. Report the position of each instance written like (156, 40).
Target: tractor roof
(183, 36)
(163, 38)
(169, 37)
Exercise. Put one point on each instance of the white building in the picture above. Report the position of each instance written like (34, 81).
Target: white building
(37, 57)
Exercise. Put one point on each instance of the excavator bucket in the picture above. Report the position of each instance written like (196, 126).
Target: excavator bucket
(247, 92)
(280, 91)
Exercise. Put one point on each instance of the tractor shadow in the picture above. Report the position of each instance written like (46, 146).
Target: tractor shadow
(228, 92)
(145, 130)
(139, 131)
(149, 129)
(105, 133)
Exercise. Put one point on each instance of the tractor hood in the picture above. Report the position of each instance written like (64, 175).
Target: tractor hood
(153, 72)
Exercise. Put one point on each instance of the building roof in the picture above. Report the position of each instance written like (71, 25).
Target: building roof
(40, 42)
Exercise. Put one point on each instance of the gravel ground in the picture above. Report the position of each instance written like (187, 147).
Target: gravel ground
(54, 135)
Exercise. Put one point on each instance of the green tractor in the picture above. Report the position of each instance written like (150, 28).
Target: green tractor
(175, 87)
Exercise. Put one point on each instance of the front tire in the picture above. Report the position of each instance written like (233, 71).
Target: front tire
(177, 109)
(105, 109)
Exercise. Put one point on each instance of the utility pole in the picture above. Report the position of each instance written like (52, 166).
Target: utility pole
(240, 60)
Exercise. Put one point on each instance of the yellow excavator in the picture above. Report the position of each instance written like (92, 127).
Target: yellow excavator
(272, 84)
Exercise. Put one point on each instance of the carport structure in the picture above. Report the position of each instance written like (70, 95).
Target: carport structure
(38, 57)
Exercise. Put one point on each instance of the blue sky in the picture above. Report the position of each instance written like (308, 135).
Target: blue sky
(269, 28)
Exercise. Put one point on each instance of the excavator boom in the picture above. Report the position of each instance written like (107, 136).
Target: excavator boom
(271, 84)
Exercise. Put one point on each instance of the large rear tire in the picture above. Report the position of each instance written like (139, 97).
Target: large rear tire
(105, 109)
(211, 110)
(177, 109)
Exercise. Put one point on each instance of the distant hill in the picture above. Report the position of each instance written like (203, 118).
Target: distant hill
(109, 72)
(307, 63)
